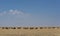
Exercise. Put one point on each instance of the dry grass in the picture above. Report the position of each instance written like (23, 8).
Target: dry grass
(29, 32)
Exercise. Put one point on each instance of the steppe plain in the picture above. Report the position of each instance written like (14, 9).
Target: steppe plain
(30, 31)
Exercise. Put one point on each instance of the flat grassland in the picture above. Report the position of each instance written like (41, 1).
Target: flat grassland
(29, 32)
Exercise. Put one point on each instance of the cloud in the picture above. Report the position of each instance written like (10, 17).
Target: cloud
(13, 12)
(19, 18)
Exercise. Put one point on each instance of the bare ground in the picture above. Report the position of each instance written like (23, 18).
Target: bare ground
(28, 32)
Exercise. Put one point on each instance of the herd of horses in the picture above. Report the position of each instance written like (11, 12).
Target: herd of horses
(29, 27)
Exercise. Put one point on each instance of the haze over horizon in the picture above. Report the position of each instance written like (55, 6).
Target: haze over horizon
(29, 13)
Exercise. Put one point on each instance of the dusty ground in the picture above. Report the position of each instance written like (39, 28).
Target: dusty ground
(29, 32)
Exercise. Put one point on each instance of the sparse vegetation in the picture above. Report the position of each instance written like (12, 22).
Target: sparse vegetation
(17, 31)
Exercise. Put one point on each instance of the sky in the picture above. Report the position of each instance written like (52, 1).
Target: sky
(29, 12)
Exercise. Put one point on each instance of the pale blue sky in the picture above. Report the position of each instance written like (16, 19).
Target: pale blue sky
(29, 12)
